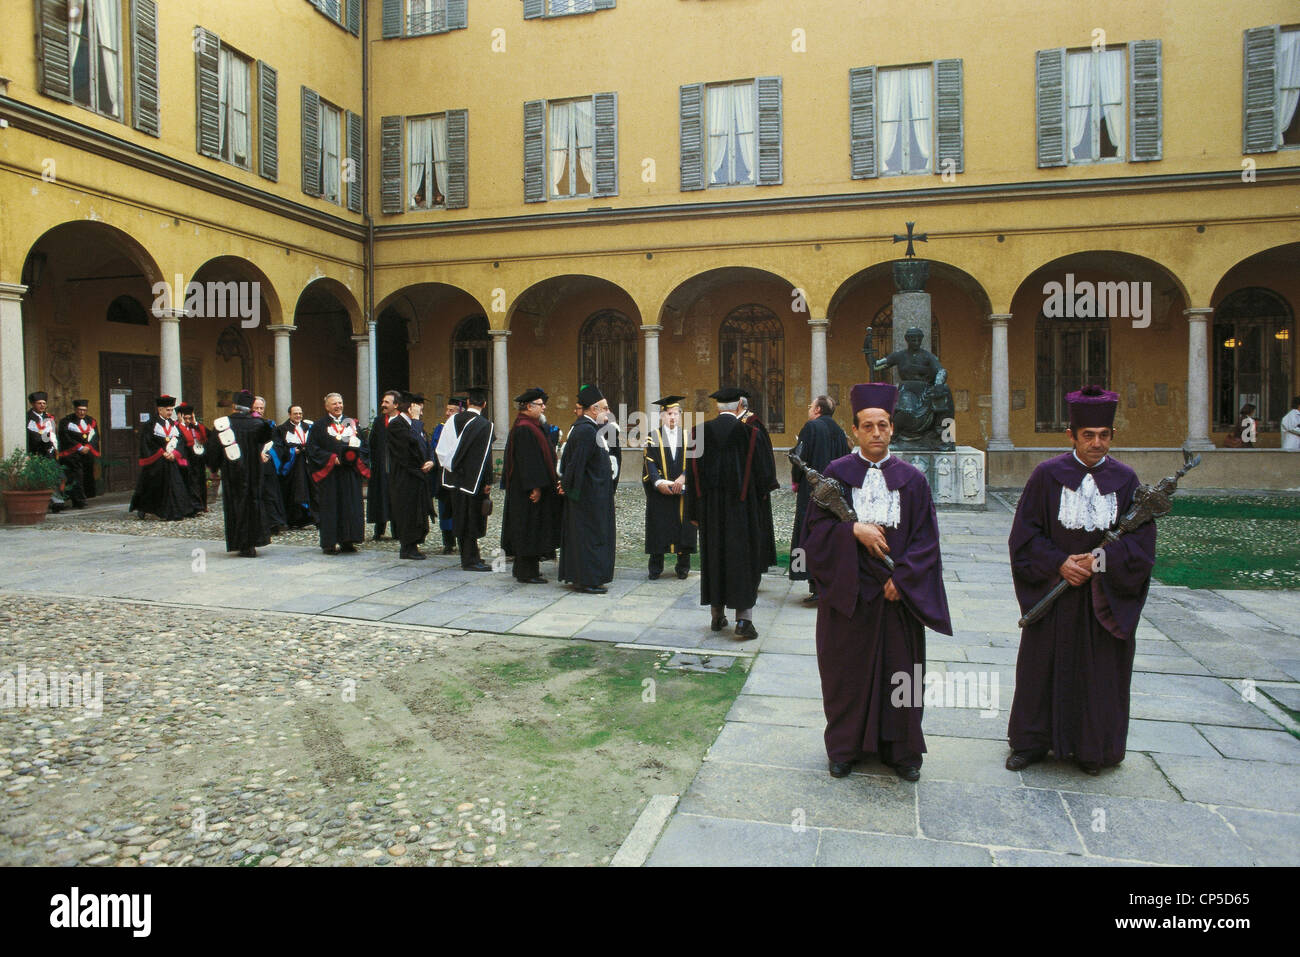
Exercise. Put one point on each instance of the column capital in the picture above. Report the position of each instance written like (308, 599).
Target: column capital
(499, 333)
(283, 329)
(819, 323)
(999, 318)
(1198, 313)
(12, 291)
(649, 329)
(358, 339)
(169, 315)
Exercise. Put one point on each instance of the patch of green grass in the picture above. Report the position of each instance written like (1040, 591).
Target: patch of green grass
(515, 672)
(459, 695)
(1230, 541)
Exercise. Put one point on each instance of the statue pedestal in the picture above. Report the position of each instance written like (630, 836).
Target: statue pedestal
(957, 479)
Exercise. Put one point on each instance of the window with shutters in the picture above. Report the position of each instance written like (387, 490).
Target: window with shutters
(95, 55)
(426, 167)
(1252, 357)
(234, 80)
(563, 8)
(732, 159)
(570, 137)
(1288, 87)
(1094, 88)
(905, 114)
(1071, 353)
(418, 18)
(331, 152)
(425, 16)
(571, 148)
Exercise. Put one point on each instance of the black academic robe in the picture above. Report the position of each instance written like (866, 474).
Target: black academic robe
(160, 489)
(820, 442)
(764, 467)
(470, 476)
(865, 641)
(722, 497)
(588, 537)
(408, 485)
(236, 448)
(296, 487)
(273, 515)
(530, 529)
(195, 471)
(1075, 663)
(378, 511)
(76, 434)
(338, 460)
(666, 528)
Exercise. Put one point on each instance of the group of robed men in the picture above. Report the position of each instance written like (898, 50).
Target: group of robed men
(72, 441)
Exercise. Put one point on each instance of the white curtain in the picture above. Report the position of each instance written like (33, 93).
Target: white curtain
(419, 162)
(720, 127)
(223, 98)
(743, 98)
(438, 192)
(889, 109)
(74, 47)
(1112, 96)
(1080, 93)
(1288, 75)
(239, 117)
(561, 130)
(584, 127)
(919, 106)
(330, 166)
(108, 28)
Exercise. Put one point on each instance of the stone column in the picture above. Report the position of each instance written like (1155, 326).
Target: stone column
(283, 373)
(13, 377)
(363, 380)
(651, 339)
(501, 403)
(817, 363)
(169, 325)
(1001, 384)
(1198, 377)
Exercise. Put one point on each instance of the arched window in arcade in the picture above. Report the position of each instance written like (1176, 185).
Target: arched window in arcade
(128, 310)
(471, 353)
(607, 357)
(1252, 357)
(1069, 354)
(751, 356)
(882, 339)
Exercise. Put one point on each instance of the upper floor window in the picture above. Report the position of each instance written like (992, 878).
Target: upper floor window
(331, 152)
(571, 142)
(906, 120)
(1095, 106)
(905, 114)
(414, 18)
(571, 148)
(562, 8)
(332, 147)
(426, 179)
(234, 74)
(235, 119)
(1271, 119)
(731, 133)
(346, 13)
(95, 51)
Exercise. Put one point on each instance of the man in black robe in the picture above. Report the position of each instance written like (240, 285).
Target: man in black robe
(820, 442)
(337, 457)
(1075, 663)
(296, 486)
(587, 482)
(871, 620)
(78, 449)
(43, 440)
(273, 516)
(409, 465)
(245, 442)
(765, 462)
(465, 451)
(160, 489)
(455, 406)
(727, 477)
(194, 437)
(378, 512)
(663, 476)
(530, 527)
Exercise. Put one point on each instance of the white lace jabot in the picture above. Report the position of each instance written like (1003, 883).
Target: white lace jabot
(875, 503)
(1087, 508)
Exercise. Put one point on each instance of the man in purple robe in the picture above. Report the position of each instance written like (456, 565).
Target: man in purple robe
(1075, 663)
(870, 621)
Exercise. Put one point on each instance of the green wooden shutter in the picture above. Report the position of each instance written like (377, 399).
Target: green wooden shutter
(769, 130)
(206, 57)
(1259, 95)
(354, 17)
(457, 16)
(390, 164)
(1050, 107)
(691, 99)
(53, 58)
(534, 8)
(949, 134)
(605, 111)
(311, 178)
(357, 154)
(457, 194)
(535, 151)
(605, 4)
(268, 122)
(145, 111)
(392, 20)
(1145, 119)
(862, 122)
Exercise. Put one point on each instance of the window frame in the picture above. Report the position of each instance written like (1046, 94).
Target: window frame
(905, 121)
(439, 180)
(732, 134)
(1096, 107)
(225, 107)
(92, 49)
(1279, 135)
(325, 109)
(573, 150)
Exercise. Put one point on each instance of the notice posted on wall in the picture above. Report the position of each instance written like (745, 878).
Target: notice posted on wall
(117, 409)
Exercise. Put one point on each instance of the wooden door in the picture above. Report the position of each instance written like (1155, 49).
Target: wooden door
(128, 389)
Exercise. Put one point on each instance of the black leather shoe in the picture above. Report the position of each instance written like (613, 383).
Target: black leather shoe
(590, 590)
(539, 580)
(480, 567)
(841, 769)
(347, 548)
(908, 772)
(327, 551)
(413, 555)
(1090, 767)
(654, 576)
(252, 553)
(449, 549)
(1019, 760)
(745, 630)
(682, 573)
(718, 623)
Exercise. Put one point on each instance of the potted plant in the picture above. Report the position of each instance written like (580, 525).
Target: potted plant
(28, 482)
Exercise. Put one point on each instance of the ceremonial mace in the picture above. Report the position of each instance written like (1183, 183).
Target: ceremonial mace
(829, 494)
(1149, 503)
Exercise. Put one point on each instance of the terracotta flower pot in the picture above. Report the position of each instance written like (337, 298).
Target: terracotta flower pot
(26, 508)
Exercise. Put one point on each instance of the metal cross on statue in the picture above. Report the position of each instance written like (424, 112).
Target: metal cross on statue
(919, 237)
